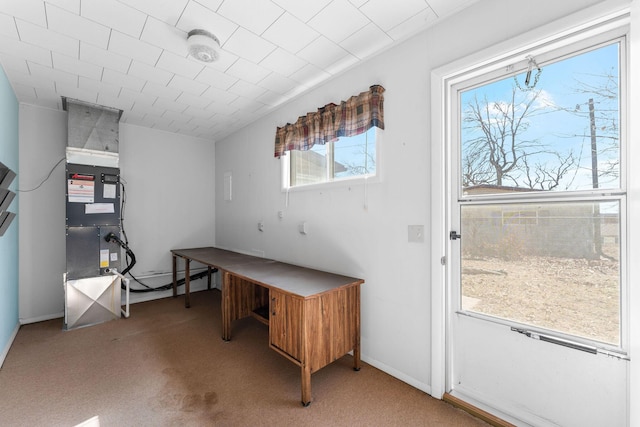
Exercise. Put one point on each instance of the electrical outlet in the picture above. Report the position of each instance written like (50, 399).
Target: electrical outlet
(416, 233)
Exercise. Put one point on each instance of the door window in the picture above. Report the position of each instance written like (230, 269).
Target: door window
(541, 192)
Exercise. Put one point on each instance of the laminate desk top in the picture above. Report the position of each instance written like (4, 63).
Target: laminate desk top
(289, 278)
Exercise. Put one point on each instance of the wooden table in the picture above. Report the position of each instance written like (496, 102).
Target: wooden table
(313, 316)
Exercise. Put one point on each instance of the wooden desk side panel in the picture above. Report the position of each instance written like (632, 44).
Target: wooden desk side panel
(332, 326)
(285, 325)
(245, 297)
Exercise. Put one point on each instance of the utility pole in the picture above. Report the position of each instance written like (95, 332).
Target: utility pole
(597, 233)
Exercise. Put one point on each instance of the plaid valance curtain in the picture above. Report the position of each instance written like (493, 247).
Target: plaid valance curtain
(352, 117)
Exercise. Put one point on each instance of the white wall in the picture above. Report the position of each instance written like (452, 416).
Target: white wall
(169, 183)
(343, 236)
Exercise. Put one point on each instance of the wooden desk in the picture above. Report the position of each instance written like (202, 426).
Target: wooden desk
(313, 316)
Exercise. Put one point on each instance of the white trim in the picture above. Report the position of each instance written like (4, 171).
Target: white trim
(6, 349)
(442, 79)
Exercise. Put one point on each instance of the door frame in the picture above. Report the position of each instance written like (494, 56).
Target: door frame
(442, 80)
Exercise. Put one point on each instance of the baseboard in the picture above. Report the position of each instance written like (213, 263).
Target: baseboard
(26, 321)
(5, 350)
(476, 412)
(397, 374)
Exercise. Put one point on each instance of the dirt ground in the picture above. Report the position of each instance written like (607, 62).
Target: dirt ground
(576, 296)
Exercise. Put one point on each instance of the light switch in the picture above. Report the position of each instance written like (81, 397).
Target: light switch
(416, 233)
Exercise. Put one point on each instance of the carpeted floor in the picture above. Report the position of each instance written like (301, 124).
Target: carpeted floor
(167, 366)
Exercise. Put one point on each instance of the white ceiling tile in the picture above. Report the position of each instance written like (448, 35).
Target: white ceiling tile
(290, 33)
(125, 45)
(303, 10)
(179, 65)
(148, 110)
(161, 91)
(165, 36)
(340, 19)
(8, 26)
(283, 62)
(47, 73)
(73, 25)
(254, 15)
(98, 87)
(386, 15)
(70, 91)
(75, 66)
(120, 79)
(193, 100)
(27, 51)
(341, 64)
(168, 11)
(170, 105)
(103, 58)
(277, 83)
(147, 72)
(246, 89)
(42, 37)
(134, 96)
(247, 45)
(111, 12)
(358, 3)
(175, 116)
(272, 98)
(27, 10)
(113, 102)
(447, 7)
(412, 25)
(197, 112)
(187, 85)
(211, 4)
(219, 96)
(48, 99)
(322, 52)
(196, 16)
(215, 78)
(30, 80)
(25, 92)
(366, 41)
(310, 75)
(248, 104)
(72, 6)
(14, 64)
(248, 71)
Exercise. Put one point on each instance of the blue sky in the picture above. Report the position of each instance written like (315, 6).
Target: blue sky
(561, 112)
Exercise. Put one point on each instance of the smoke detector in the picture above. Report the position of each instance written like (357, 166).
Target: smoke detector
(203, 45)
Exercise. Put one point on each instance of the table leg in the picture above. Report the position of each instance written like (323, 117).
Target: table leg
(209, 277)
(226, 306)
(175, 281)
(187, 280)
(305, 374)
(356, 344)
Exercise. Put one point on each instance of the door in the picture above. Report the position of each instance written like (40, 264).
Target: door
(537, 313)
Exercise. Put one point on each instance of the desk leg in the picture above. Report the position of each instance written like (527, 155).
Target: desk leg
(356, 344)
(305, 374)
(187, 280)
(226, 306)
(175, 281)
(209, 277)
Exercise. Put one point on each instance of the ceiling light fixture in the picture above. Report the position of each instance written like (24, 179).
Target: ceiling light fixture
(203, 45)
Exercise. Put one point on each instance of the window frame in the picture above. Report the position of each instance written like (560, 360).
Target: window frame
(554, 50)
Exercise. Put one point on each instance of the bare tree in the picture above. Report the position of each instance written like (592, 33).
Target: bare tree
(501, 154)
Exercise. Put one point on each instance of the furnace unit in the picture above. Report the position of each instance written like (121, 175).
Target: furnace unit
(92, 281)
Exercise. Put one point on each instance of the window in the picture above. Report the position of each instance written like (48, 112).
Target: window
(347, 157)
(540, 148)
